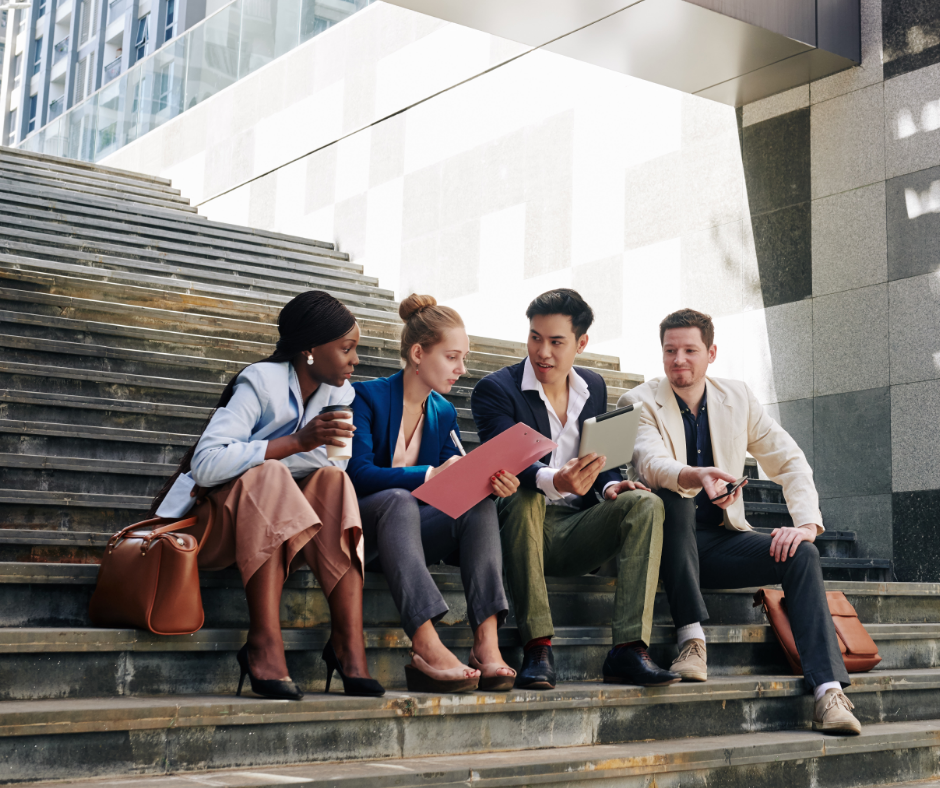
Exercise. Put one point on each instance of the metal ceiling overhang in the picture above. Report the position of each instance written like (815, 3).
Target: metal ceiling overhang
(732, 51)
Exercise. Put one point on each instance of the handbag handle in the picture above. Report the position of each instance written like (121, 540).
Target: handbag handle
(189, 522)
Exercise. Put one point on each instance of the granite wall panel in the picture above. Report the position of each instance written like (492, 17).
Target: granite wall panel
(783, 250)
(915, 345)
(852, 443)
(849, 240)
(712, 269)
(911, 32)
(777, 162)
(916, 536)
(912, 122)
(796, 417)
(868, 515)
(848, 141)
(915, 435)
(913, 217)
(850, 340)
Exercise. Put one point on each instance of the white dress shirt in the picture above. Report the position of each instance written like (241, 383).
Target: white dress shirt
(568, 437)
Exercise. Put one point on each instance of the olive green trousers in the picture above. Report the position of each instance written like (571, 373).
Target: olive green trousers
(560, 541)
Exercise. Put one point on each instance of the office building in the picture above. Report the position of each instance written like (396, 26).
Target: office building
(56, 53)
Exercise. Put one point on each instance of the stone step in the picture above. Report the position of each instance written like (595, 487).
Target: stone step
(68, 202)
(82, 219)
(763, 491)
(43, 320)
(831, 544)
(184, 370)
(883, 754)
(56, 182)
(259, 293)
(92, 662)
(152, 307)
(212, 276)
(59, 190)
(44, 593)
(15, 154)
(52, 230)
(78, 175)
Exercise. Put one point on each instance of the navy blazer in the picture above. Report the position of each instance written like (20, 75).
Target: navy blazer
(498, 402)
(377, 411)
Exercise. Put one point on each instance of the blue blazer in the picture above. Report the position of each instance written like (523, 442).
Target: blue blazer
(377, 411)
(498, 402)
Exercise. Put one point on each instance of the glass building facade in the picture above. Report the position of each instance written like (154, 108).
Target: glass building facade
(230, 44)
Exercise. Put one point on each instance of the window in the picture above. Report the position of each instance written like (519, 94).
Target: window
(143, 33)
(37, 56)
(164, 86)
(11, 135)
(170, 12)
(33, 101)
(42, 9)
(17, 66)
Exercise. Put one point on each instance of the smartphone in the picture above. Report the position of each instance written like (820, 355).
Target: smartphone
(730, 490)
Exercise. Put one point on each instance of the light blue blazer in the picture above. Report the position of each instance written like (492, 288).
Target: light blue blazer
(377, 415)
(266, 404)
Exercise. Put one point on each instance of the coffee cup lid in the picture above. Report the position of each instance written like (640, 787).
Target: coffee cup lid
(336, 408)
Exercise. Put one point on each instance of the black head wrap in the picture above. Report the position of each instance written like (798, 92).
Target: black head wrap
(311, 319)
(308, 320)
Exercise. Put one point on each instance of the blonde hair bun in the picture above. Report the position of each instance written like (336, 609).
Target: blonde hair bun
(414, 304)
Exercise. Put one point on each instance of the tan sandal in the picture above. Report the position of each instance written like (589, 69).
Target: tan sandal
(490, 679)
(421, 677)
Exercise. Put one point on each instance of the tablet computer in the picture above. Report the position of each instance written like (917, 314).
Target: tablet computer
(612, 435)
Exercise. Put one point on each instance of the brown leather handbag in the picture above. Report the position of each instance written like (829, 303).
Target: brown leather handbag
(859, 651)
(149, 579)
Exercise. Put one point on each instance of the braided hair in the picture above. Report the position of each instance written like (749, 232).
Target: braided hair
(308, 320)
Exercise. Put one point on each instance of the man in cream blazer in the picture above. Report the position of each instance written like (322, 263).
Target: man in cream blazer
(695, 432)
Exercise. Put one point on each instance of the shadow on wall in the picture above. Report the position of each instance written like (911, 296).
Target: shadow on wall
(911, 35)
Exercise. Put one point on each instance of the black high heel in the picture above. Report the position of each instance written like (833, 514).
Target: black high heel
(351, 686)
(266, 688)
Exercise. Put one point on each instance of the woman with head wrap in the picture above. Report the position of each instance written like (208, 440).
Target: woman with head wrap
(260, 472)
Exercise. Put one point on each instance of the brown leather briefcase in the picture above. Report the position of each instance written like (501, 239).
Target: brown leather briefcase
(859, 651)
(149, 579)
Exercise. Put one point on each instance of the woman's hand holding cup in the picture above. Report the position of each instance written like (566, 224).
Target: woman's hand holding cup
(332, 428)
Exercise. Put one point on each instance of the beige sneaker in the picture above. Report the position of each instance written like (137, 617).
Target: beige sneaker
(690, 664)
(833, 714)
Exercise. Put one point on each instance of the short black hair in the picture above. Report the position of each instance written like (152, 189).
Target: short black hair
(564, 301)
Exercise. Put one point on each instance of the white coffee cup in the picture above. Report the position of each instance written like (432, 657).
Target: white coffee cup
(343, 452)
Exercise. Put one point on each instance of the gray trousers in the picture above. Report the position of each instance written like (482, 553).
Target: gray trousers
(696, 557)
(404, 536)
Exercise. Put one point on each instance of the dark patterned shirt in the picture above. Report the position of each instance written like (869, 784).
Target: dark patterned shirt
(698, 454)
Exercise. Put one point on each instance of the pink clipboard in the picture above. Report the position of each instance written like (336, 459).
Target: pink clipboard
(463, 485)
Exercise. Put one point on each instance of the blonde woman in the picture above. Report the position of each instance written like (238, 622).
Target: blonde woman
(402, 438)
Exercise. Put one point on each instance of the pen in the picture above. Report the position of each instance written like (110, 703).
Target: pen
(456, 440)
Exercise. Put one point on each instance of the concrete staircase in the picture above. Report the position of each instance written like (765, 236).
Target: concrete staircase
(123, 313)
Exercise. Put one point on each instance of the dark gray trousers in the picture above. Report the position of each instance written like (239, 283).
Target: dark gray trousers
(696, 557)
(404, 536)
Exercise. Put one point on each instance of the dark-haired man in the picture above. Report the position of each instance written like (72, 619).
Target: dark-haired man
(557, 524)
(694, 434)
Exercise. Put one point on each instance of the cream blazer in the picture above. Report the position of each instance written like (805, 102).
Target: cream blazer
(738, 425)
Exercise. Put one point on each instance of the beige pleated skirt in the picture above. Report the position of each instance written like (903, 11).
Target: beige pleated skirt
(266, 512)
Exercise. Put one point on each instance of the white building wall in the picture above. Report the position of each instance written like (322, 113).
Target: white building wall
(452, 162)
